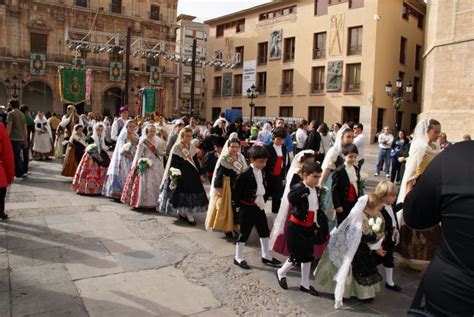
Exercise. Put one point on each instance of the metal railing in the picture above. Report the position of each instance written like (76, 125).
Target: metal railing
(352, 86)
(319, 53)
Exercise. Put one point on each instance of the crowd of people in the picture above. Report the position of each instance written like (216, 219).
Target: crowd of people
(312, 173)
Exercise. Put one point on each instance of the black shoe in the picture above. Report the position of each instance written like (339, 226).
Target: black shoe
(242, 264)
(273, 261)
(183, 218)
(229, 235)
(394, 288)
(282, 282)
(310, 291)
(4, 216)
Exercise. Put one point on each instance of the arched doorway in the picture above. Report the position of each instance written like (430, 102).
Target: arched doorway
(38, 96)
(3, 95)
(112, 99)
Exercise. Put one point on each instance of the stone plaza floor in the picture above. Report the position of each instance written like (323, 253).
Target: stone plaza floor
(62, 254)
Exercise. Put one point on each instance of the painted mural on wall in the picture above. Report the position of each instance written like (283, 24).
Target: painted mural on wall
(37, 64)
(115, 71)
(275, 44)
(155, 75)
(334, 81)
(227, 84)
(336, 35)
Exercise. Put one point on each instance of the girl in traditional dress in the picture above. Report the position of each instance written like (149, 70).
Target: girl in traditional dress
(121, 162)
(348, 266)
(221, 214)
(143, 183)
(182, 191)
(92, 169)
(332, 160)
(43, 140)
(280, 226)
(74, 152)
(418, 247)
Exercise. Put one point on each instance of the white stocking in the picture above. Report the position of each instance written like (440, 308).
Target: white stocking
(286, 267)
(265, 249)
(389, 276)
(239, 251)
(305, 270)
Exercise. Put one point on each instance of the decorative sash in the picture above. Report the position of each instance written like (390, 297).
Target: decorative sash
(152, 148)
(229, 162)
(185, 154)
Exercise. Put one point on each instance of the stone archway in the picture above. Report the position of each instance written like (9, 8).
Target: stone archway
(3, 95)
(38, 96)
(112, 99)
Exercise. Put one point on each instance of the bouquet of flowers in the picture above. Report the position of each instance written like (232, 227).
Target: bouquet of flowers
(363, 179)
(92, 149)
(126, 148)
(143, 165)
(174, 174)
(66, 142)
(378, 227)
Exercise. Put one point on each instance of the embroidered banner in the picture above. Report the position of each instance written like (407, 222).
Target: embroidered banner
(115, 71)
(155, 75)
(37, 64)
(72, 85)
(88, 84)
(148, 100)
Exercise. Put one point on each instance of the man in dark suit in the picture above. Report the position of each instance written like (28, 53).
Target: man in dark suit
(275, 169)
(313, 142)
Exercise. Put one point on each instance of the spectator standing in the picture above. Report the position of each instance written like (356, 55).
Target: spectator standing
(325, 141)
(313, 142)
(466, 137)
(17, 131)
(280, 123)
(236, 127)
(301, 136)
(385, 141)
(6, 168)
(266, 130)
(360, 141)
(443, 141)
(335, 129)
(119, 123)
(397, 147)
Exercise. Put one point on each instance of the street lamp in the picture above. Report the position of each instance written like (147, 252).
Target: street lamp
(15, 88)
(252, 93)
(397, 96)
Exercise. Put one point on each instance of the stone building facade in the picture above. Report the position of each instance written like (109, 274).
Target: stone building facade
(321, 60)
(449, 66)
(30, 26)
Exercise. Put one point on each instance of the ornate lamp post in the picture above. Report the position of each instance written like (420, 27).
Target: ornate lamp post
(15, 87)
(397, 96)
(252, 93)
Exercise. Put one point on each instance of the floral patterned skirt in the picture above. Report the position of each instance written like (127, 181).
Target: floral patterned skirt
(89, 177)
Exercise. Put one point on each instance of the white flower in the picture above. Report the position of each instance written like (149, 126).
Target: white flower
(65, 143)
(379, 221)
(376, 227)
(146, 161)
(364, 176)
(126, 147)
(175, 171)
(371, 222)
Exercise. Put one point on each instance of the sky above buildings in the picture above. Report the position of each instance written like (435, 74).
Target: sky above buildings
(205, 10)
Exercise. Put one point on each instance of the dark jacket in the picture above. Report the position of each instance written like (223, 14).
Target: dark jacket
(340, 185)
(210, 161)
(313, 142)
(388, 219)
(245, 188)
(273, 158)
(298, 198)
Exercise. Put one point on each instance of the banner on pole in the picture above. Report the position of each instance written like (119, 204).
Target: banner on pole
(155, 75)
(37, 64)
(88, 84)
(148, 100)
(72, 85)
(115, 71)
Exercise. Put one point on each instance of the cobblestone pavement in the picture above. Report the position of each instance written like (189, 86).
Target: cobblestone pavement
(62, 254)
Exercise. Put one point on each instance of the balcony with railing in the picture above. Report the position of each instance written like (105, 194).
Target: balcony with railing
(286, 89)
(353, 87)
(316, 88)
(217, 93)
(319, 53)
(354, 50)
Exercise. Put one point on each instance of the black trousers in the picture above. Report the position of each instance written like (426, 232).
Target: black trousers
(275, 190)
(252, 216)
(346, 209)
(3, 194)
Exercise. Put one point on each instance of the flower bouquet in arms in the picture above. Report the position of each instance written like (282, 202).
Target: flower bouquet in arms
(174, 174)
(143, 165)
(377, 226)
(127, 150)
(93, 151)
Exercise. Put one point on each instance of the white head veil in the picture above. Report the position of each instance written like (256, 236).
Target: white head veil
(99, 140)
(337, 147)
(282, 216)
(222, 156)
(116, 156)
(418, 148)
(343, 245)
(46, 124)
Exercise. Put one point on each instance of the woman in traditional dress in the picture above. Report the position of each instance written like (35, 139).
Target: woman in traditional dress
(332, 160)
(74, 152)
(43, 140)
(143, 183)
(92, 169)
(280, 226)
(222, 214)
(348, 266)
(418, 247)
(182, 190)
(121, 162)
(266, 130)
